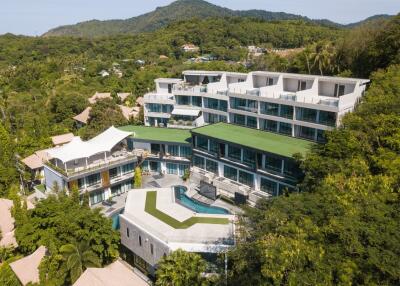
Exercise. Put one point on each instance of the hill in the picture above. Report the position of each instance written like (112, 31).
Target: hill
(162, 16)
(370, 19)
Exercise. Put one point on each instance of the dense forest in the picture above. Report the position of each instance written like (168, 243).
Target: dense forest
(342, 230)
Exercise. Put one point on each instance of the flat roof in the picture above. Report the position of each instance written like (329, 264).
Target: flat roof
(157, 134)
(256, 139)
(195, 232)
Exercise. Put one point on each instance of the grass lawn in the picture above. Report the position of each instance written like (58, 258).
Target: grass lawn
(41, 188)
(256, 139)
(151, 199)
(159, 134)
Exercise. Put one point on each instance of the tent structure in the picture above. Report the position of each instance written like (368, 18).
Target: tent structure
(78, 149)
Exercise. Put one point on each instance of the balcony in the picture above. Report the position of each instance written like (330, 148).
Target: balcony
(74, 169)
(190, 89)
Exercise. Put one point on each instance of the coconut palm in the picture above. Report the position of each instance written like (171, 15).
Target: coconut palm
(79, 257)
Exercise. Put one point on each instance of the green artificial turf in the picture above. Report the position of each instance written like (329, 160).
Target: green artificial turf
(159, 134)
(150, 208)
(255, 139)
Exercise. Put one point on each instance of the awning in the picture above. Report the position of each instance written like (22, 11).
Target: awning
(78, 149)
(186, 112)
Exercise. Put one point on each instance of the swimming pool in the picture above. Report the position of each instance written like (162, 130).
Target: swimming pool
(196, 206)
(115, 220)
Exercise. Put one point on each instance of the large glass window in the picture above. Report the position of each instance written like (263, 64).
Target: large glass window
(182, 100)
(211, 103)
(306, 114)
(306, 132)
(223, 105)
(285, 128)
(239, 119)
(155, 149)
(230, 173)
(93, 179)
(214, 146)
(182, 168)
(185, 151)
(251, 122)
(234, 153)
(246, 179)
(97, 197)
(81, 183)
(202, 142)
(212, 166)
(270, 108)
(199, 162)
(286, 111)
(196, 101)
(273, 163)
(172, 168)
(249, 157)
(113, 173)
(269, 125)
(244, 104)
(291, 168)
(166, 108)
(327, 118)
(269, 187)
(173, 150)
(128, 168)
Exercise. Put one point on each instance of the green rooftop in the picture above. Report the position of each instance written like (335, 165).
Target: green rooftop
(255, 139)
(180, 136)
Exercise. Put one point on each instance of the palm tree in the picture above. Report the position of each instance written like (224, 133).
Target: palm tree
(181, 268)
(79, 257)
(324, 57)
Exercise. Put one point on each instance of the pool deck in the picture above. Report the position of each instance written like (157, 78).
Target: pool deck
(200, 236)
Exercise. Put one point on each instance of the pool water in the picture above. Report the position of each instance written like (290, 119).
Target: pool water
(195, 205)
(115, 220)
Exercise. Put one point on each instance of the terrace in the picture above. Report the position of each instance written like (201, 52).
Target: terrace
(155, 134)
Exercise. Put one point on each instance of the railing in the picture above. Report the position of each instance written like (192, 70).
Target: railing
(190, 88)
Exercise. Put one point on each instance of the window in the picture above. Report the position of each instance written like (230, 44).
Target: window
(249, 157)
(116, 190)
(273, 163)
(128, 168)
(270, 108)
(211, 103)
(223, 105)
(113, 173)
(93, 179)
(306, 114)
(140, 240)
(81, 183)
(199, 162)
(196, 101)
(239, 119)
(173, 150)
(321, 136)
(327, 118)
(270, 81)
(185, 151)
(212, 166)
(306, 132)
(127, 232)
(251, 122)
(172, 169)
(182, 100)
(246, 179)
(339, 90)
(285, 128)
(269, 187)
(214, 146)
(182, 168)
(286, 111)
(96, 197)
(202, 143)
(151, 249)
(230, 173)
(238, 103)
(269, 125)
(169, 88)
(291, 169)
(234, 153)
(155, 149)
(166, 108)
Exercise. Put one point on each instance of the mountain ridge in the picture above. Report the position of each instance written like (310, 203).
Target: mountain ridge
(176, 11)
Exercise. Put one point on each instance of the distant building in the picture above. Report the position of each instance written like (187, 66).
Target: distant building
(99, 96)
(115, 274)
(34, 165)
(256, 51)
(82, 118)
(27, 269)
(62, 139)
(190, 48)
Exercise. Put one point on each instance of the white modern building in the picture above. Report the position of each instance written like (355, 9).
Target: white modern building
(154, 224)
(102, 166)
(291, 104)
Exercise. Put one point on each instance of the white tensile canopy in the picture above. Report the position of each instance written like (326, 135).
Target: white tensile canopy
(78, 149)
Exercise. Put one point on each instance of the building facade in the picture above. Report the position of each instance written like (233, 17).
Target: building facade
(301, 106)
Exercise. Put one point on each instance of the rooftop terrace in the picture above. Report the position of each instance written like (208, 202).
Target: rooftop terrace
(255, 139)
(159, 134)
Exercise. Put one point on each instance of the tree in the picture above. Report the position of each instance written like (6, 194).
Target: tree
(7, 161)
(181, 268)
(138, 178)
(78, 258)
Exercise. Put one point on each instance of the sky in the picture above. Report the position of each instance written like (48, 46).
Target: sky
(35, 17)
